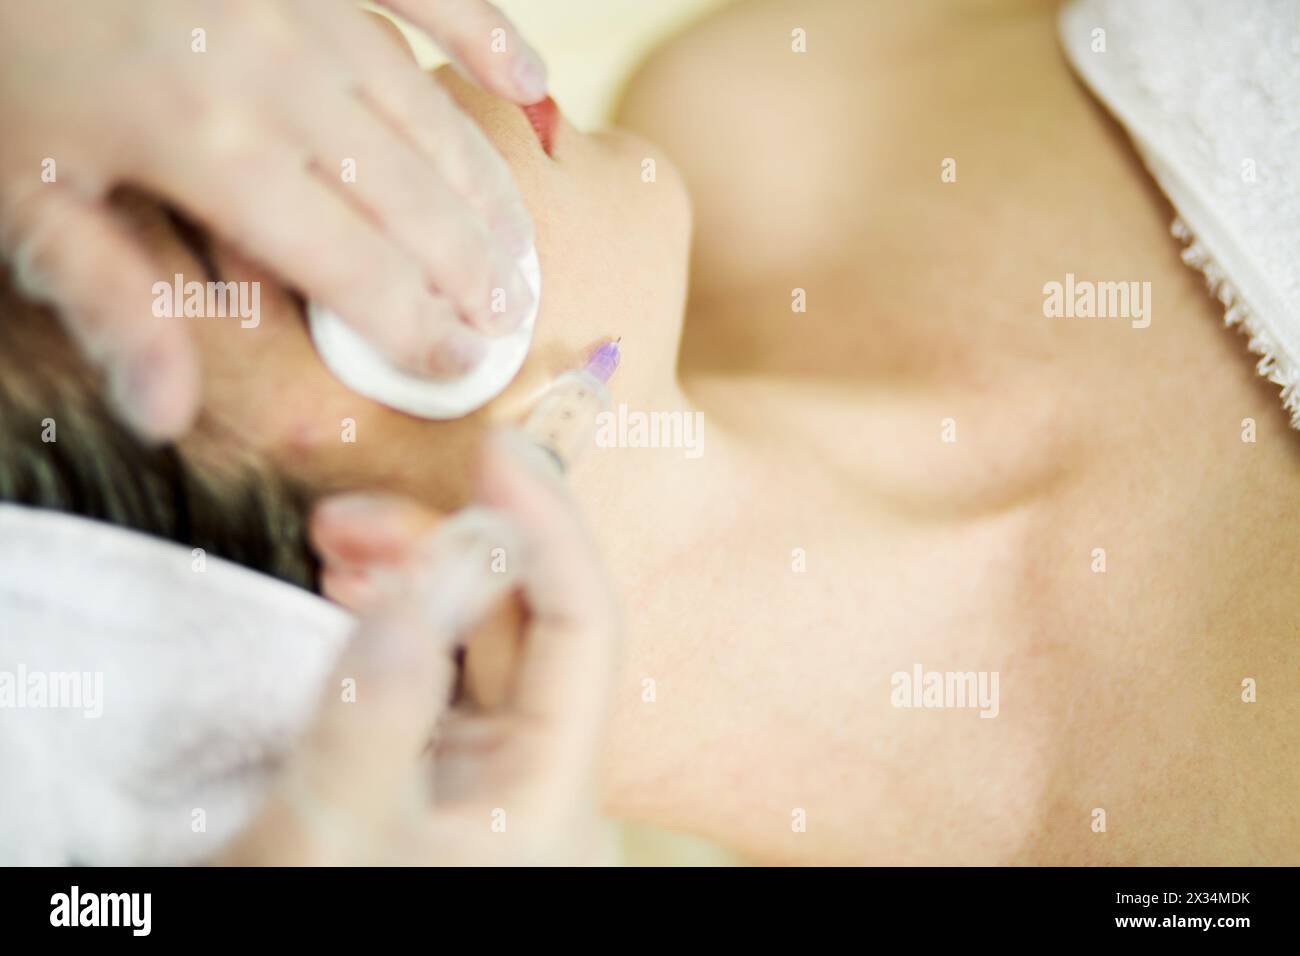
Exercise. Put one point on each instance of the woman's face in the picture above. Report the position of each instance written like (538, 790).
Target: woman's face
(613, 227)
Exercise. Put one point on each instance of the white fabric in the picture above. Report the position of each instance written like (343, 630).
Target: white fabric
(1208, 91)
(207, 676)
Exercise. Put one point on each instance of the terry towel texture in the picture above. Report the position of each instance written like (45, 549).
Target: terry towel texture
(1209, 92)
(204, 678)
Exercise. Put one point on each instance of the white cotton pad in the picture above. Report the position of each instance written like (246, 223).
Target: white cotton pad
(367, 372)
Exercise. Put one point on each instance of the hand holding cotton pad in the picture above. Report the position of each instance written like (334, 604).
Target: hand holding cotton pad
(360, 367)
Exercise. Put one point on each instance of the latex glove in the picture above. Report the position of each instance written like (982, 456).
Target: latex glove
(515, 784)
(251, 126)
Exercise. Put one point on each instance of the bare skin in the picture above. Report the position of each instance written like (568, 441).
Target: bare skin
(1120, 690)
(823, 432)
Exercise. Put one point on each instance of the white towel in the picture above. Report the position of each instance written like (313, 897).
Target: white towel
(1209, 91)
(207, 676)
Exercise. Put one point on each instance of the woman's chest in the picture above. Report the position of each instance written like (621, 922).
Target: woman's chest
(762, 686)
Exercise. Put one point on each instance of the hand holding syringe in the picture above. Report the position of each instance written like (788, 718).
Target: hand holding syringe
(511, 784)
(357, 790)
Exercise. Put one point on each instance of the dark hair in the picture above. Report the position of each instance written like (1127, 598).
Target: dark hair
(210, 492)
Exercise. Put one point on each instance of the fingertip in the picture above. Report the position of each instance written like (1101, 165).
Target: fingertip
(358, 509)
(351, 588)
(507, 65)
(426, 337)
(530, 76)
(459, 352)
(359, 528)
(155, 390)
(444, 347)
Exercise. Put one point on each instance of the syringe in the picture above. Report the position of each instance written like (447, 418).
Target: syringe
(564, 421)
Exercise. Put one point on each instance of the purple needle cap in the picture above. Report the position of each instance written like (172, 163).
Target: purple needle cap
(604, 361)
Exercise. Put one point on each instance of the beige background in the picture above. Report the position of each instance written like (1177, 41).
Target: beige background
(590, 46)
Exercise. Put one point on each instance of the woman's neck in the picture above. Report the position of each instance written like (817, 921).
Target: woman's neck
(666, 476)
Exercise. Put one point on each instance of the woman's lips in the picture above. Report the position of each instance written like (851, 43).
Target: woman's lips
(544, 115)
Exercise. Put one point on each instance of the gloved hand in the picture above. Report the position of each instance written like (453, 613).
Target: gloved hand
(251, 116)
(511, 784)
